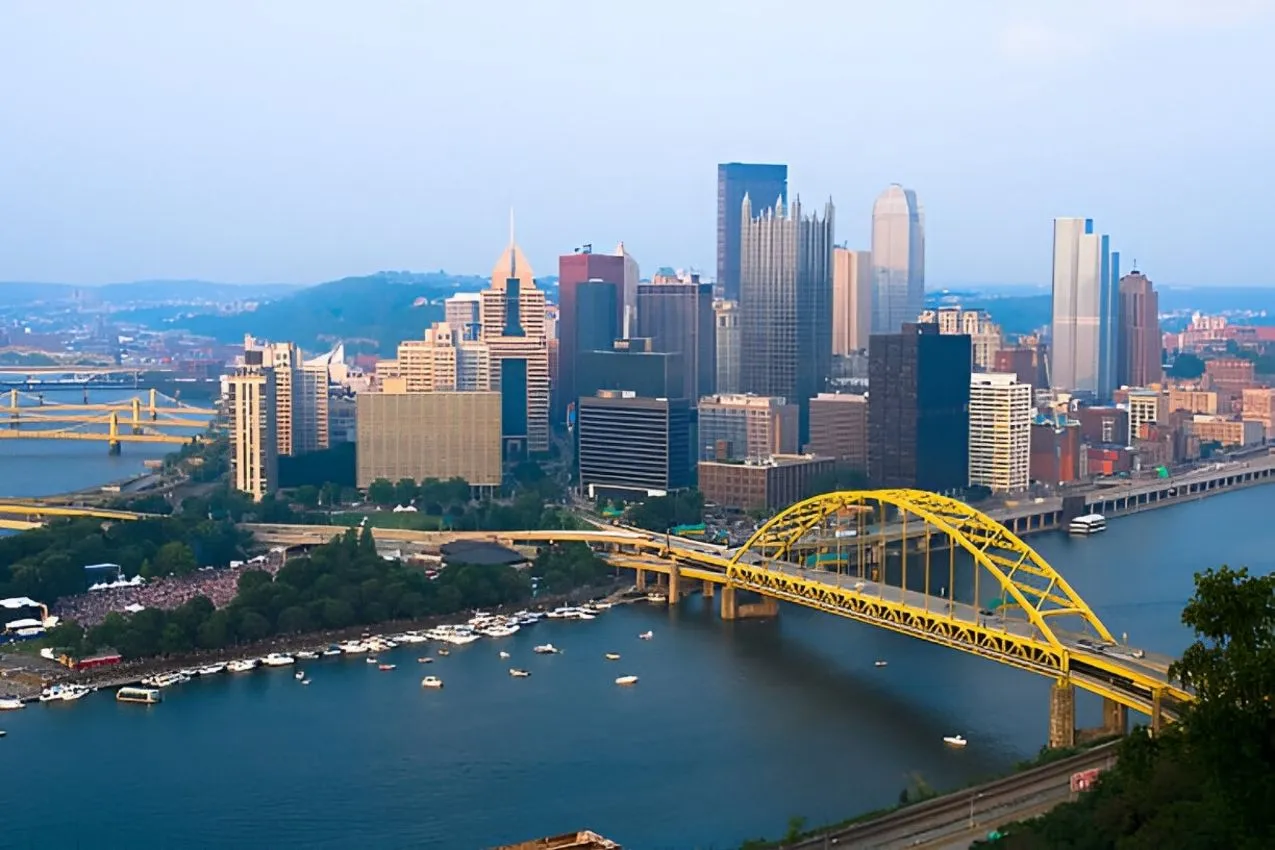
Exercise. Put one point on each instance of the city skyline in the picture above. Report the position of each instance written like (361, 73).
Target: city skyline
(142, 157)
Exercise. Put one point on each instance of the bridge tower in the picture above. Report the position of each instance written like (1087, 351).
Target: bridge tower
(113, 441)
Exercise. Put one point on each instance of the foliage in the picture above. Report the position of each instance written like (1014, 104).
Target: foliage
(1186, 365)
(569, 565)
(1207, 781)
(660, 513)
(335, 464)
(841, 478)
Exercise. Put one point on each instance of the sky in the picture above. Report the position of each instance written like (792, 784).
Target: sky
(305, 140)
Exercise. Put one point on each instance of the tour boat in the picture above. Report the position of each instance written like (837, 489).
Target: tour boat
(307, 655)
(518, 674)
(612, 656)
(276, 659)
(148, 696)
(879, 663)
(11, 704)
(424, 659)
(211, 669)
(954, 740)
(626, 680)
(431, 682)
(545, 649)
(1088, 524)
(444, 651)
(646, 635)
(242, 666)
(385, 667)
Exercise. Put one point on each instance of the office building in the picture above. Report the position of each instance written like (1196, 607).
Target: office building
(1019, 361)
(628, 294)
(632, 447)
(726, 328)
(766, 485)
(1146, 407)
(839, 429)
(918, 409)
(250, 409)
(1056, 452)
(1000, 432)
(678, 318)
(463, 312)
(443, 361)
(1104, 425)
(786, 303)
(1227, 433)
(301, 396)
(1138, 335)
(766, 185)
(574, 319)
(746, 427)
(898, 259)
(429, 435)
(513, 326)
(1197, 401)
(851, 300)
(631, 364)
(1083, 355)
(985, 335)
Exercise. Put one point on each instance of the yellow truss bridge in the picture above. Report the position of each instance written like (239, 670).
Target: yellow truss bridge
(113, 436)
(154, 405)
(912, 562)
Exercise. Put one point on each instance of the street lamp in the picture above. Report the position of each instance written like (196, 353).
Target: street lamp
(973, 800)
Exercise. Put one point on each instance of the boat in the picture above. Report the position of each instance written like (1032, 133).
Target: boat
(626, 680)
(306, 655)
(444, 651)
(517, 673)
(372, 660)
(558, 613)
(879, 663)
(601, 604)
(331, 651)
(504, 654)
(189, 673)
(211, 669)
(63, 693)
(353, 647)
(546, 649)
(164, 680)
(305, 681)
(148, 696)
(242, 666)
(612, 656)
(1088, 524)
(954, 740)
(646, 635)
(11, 704)
(3, 733)
(500, 631)
(431, 682)
(276, 659)
(424, 659)
(299, 675)
(386, 667)
(657, 598)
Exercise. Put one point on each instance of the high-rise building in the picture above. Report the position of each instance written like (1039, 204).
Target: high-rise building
(1085, 310)
(429, 435)
(573, 270)
(766, 185)
(251, 409)
(786, 303)
(628, 295)
(746, 427)
(985, 335)
(851, 300)
(633, 446)
(918, 409)
(462, 311)
(632, 365)
(678, 318)
(1000, 420)
(726, 330)
(443, 361)
(898, 259)
(300, 394)
(513, 317)
(1139, 363)
(839, 429)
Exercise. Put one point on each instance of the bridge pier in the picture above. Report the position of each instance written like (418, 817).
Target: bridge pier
(729, 610)
(1157, 713)
(674, 584)
(1115, 717)
(641, 579)
(1062, 715)
(709, 589)
(113, 448)
(732, 609)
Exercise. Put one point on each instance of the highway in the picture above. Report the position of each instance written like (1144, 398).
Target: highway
(955, 820)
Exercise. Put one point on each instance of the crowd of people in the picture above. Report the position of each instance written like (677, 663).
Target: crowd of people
(219, 585)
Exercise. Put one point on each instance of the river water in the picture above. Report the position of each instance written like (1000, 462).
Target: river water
(732, 729)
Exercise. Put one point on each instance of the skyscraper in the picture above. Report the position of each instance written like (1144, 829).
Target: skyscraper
(513, 327)
(898, 259)
(918, 409)
(1139, 332)
(765, 184)
(1000, 432)
(851, 300)
(573, 270)
(250, 407)
(786, 304)
(1085, 310)
(678, 317)
(628, 295)
(726, 314)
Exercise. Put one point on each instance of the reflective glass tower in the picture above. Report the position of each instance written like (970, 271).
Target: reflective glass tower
(898, 259)
(765, 184)
(1084, 337)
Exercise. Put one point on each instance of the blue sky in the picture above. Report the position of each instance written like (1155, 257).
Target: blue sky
(302, 140)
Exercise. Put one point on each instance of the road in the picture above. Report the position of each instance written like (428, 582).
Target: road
(955, 820)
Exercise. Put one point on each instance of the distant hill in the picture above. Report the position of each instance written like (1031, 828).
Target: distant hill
(148, 291)
(13, 293)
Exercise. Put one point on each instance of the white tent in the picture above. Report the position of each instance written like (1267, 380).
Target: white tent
(19, 602)
(134, 608)
(23, 624)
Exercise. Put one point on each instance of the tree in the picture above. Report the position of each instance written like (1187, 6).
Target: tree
(307, 495)
(405, 491)
(381, 492)
(173, 558)
(1186, 365)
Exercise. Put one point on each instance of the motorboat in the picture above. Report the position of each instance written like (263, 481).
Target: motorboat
(11, 704)
(504, 654)
(189, 673)
(558, 613)
(305, 681)
(306, 655)
(431, 682)
(954, 740)
(646, 635)
(546, 649)
(411, 637)
(444, 651)
(148, 696)
(518, 673)
(612, 656)
(164, 680)
(372, 660)
(386, 667)
(211, 669)
(331, 651)
(601, 605)
(880, 663)
(277, 659)
(424, 659)
(626, 680)
(353, 647)
(243, 665)
(63, 693)
(500, 630)
(299, 675)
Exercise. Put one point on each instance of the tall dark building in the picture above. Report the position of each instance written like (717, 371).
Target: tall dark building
(678, 318)
(1138, 363)
(632, 446)
(766, 184)
(631, 365)
(574, 270)
(785, 304)
(918, 409)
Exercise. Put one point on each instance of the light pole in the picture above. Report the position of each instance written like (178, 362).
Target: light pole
(973, 800)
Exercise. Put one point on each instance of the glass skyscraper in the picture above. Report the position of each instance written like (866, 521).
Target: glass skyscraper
(1084, 347)
(765, 184)
(898, 259)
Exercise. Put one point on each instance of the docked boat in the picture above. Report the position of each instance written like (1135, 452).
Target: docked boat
(353, 647)
(1088, 524)
(147, 696)
(600, 605)
(243, 665)
(501, 630)
(11, 704)
(306, 655)
(646, 635)
(518, 673)
(546, 649)
(657, 598)
(386, 667)
(558, 613)
(431, 682)
(612, 656)
(626, 680)
(954, 740)
(165, 680)
(277, 659)
(879, 663)
(331, 651)
(211, 669)
(63, 693)
(411, 637)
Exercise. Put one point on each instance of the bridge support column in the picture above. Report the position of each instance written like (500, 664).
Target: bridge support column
(641, 579)
(767, 607)
(1115, 717)
(1062, 715)
(113, 448)
(674, 584)
(709, 589)
(1157, 715)
(729, 609)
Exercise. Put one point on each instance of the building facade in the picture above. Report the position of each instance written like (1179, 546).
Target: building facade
(1000, 432)
(765, 486)
(839, 429)
(898, 259)
(786, 303)
(631, 365)
(628, 294)
(250, 408)
(429, 435)
(726, 332)
(631, 446)
(462, 311)
(1083, 351)
(766, 185)
(746, 427)
(441, 362)
(1139, 340)
(678, 318)
(918, 409)
(851, 300)
(513, 326)
(985, 335)
(578, 323)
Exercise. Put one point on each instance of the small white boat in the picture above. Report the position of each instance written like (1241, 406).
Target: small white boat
(954, 740)
(307, 655)
(305, 681)
(424, 659)
(880, 663)
(444, 651)
(278, 659)
(517, 673)
(331, 651)
(626, 680)
(299, 675)
(431, 682)
(504, 654)
(372, 661)
(211, 669)
(11, 704)
(601, 605)
(63, 693)
(657, 598)
(3, 733)
(546, 649)
(243, 665)
(646, 635)
(385, 667)
(353, 647)
(612, 656)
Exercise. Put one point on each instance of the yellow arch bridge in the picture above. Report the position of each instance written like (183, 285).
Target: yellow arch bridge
(913, 562)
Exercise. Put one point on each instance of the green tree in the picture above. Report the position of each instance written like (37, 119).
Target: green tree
(405, 491)
(307, 495)
(381, 492)
(173, 558)
(1186, 365)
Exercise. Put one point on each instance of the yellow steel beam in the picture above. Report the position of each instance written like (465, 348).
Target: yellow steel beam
(31, 509)
(21, 434)
(18, 525)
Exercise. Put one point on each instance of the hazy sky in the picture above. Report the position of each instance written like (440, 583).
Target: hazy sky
(302, 140)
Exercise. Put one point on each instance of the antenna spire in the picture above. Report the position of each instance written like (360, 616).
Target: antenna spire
(513, 253)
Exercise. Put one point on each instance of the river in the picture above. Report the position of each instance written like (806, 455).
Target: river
(732, 729)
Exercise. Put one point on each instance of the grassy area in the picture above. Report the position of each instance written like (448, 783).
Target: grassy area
(388, 519)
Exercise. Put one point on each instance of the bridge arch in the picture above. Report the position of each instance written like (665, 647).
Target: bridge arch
(1020, 573)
